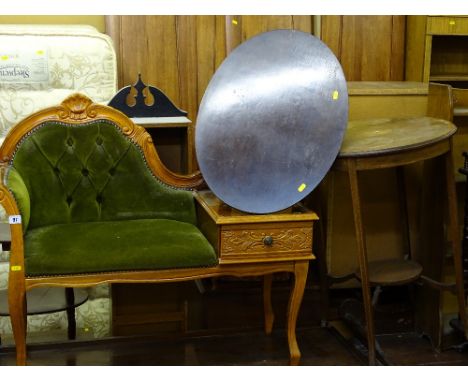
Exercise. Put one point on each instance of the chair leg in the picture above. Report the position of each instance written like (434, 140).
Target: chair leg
(269, 315)
(295, 299)
(18, 317)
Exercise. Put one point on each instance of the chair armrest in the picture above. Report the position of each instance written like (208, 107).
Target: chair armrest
(14, 183)
(8, 202)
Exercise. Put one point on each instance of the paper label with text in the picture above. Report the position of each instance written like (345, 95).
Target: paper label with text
(23, 64)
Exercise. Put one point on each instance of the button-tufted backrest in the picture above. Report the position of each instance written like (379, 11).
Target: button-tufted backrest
(89, 172)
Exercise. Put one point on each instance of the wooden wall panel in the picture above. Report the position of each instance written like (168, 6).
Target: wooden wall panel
(179, 54)
(210, 49)
(415, 48)
(331, 32)
(187, 65)
(160, 61)
(370, 48)
(398, 51)
(148, 45)
(303, 23)
(241, 28)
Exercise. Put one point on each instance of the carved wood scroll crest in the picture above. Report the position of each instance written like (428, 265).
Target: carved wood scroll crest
(77, 107)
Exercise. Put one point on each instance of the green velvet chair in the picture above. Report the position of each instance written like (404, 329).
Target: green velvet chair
(89, 202)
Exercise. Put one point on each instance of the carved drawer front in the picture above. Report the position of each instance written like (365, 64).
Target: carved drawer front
(249, 242)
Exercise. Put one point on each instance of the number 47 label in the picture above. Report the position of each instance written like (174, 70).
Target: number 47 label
(14, 219)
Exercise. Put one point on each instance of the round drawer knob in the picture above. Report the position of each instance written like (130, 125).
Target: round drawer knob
(268, 240)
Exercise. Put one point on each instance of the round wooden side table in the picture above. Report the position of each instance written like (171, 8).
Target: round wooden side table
(386, 143)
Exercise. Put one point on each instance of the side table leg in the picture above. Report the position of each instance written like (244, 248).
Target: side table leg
(295, 299)
(267, 306)
(363, 264)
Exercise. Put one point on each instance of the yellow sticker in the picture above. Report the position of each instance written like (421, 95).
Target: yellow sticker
(40, 52)
(336, 95)
(452, 22)
(4, 58)
(15, 268)
(234, 22)
(302, 187)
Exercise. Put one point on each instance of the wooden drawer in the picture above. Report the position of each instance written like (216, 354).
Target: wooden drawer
(265, 242)
(447, 25)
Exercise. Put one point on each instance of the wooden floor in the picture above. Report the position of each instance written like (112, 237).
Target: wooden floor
(319, 346)
(240, 341)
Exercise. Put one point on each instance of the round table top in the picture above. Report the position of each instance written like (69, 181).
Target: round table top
(383, 136)
(271, 121)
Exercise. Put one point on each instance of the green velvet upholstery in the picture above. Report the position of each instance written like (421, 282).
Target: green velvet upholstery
(88, 173)
(142, 244)
(82, 189)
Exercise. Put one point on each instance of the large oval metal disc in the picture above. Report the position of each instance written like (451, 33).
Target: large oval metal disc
(271, 121)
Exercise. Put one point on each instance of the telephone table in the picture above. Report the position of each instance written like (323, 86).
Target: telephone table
(254, 245)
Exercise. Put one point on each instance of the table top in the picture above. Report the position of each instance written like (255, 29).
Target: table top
(221, 213)
(392, 135)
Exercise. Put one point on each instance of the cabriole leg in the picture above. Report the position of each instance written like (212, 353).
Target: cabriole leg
(295, 299)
